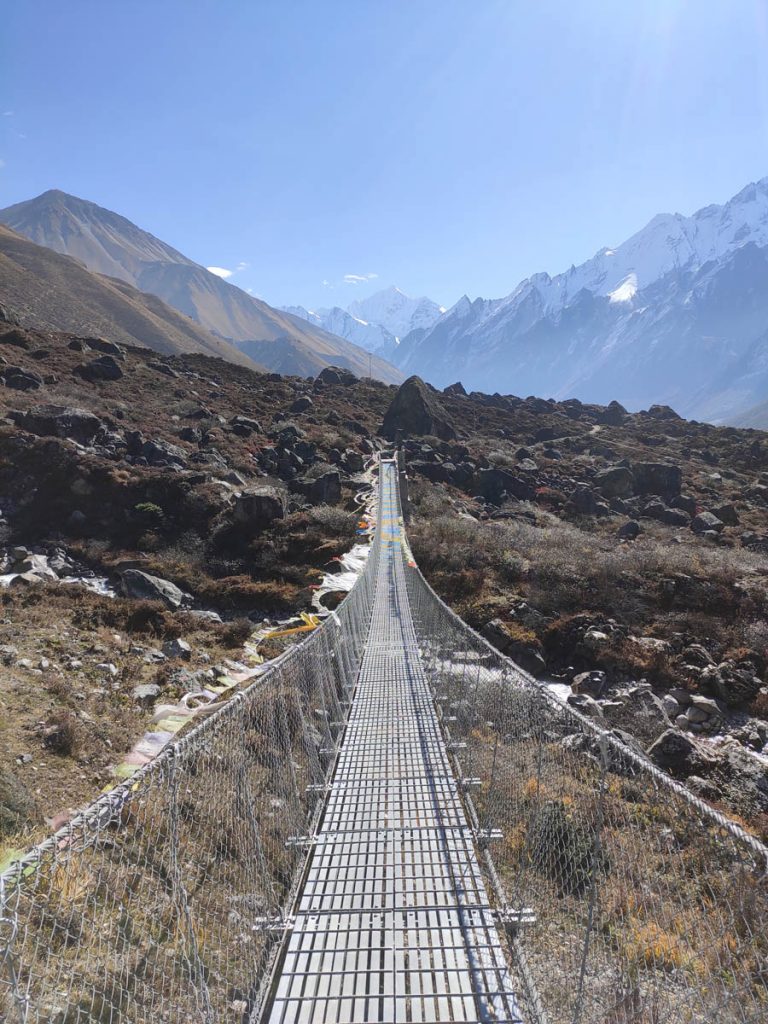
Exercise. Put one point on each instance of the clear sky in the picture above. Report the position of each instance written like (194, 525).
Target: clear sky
(446, 146)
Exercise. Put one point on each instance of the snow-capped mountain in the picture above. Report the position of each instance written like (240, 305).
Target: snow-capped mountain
(396, 312)
(669, 315)
(377, 323)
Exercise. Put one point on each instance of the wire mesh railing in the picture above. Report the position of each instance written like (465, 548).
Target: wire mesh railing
(163, 901)
(629, 900)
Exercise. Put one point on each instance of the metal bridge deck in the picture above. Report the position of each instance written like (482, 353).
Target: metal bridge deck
(393, 922)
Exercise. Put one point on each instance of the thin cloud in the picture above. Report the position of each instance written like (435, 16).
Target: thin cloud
(242, 265)
(220, 272)
(359, 278)
(2, 163)
(7, 113)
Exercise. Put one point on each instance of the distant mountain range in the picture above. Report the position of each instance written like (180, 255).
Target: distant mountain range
(677, 314)
(108, 244)
(377, 323)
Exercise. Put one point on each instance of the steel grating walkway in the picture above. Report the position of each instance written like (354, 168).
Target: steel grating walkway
(393, 922)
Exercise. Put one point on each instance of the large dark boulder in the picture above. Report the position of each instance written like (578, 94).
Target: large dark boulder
(494, 484)
(163, 453)
(657, 478)
(103, 368)
(336, 375)
(259, 507)
(321, 490)
(60, 421)
(679, 754)
(415, 410)
(614, 482)
(612, 415)
(144, 587)
(20, 379)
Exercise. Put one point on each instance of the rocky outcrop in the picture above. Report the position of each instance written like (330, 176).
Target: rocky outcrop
(657, 478)
(260, 507)
(615, 481)
(415, 410)
(144, 587)
(60, 421)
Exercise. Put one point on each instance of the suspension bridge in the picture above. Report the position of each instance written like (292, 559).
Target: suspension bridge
(393, 824)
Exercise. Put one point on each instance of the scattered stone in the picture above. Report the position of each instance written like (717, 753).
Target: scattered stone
(630, 530)
(705, 522)
(177, 648)
(146, 694)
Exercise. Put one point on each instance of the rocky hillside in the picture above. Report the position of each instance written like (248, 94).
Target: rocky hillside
(52, 292)
(110, 244)
(621, 557)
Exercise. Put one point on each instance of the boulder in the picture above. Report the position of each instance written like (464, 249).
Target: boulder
(629, 530)
(144, 587)
(455, 389)
(415, 410)
(583, 501)
(727, 514)
(592, 683)
(437, 472)
(259, 507)
(679, 754)
(494, 483)
(706, 521)
(303, 404)
(146, 694)
(684, 502)
(657, 478)
(103, 368)
(614, 481)
(613, 415)
(163, 453)
(110, 348)
(20, 380)
(663, 412)
(321, 490)
(60, 421)
(336, 375)
(177, 648)
(732, 683)
(244, 426)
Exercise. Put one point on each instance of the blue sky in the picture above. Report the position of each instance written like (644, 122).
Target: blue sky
(446, 146)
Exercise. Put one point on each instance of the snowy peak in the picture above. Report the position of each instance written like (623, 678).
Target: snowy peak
(377, 323)
(396, 312)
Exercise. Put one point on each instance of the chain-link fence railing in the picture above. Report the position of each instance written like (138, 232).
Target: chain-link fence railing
(163, 901)
(628, 900)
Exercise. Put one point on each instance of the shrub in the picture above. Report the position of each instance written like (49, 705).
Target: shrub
(235, 633)
(562, 849)
(63, 733)
(148, 513)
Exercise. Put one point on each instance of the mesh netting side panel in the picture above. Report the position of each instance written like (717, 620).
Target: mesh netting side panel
(649, 906)
(159, 903)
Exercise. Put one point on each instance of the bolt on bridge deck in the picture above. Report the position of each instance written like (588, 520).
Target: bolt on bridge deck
(393, 922)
